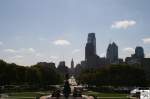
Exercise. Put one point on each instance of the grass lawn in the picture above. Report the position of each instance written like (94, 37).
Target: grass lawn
(25, 95)
(107, 95)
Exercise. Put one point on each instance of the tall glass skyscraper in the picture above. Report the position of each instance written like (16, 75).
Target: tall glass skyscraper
(112, 53)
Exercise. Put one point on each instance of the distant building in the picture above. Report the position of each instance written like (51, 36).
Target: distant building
(72, 67)
(78, 69)
(90, 49)
(92, 60)
(45, 64)
(63, 68)
(137, 57)
(62, 63)
(72, 64)
(112, 53)
(139, 52)
(120, 60)
(83, 64)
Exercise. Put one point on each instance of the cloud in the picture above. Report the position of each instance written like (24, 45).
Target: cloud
(42, 39)
(124, 24)
(21, 50)
(31, 50)
(148, 55)
(128, 49)
(18, 37)
(10, 50)
(103, 55)
(17, 57)
(26, 50)
(39, 55)
(146, 40)
(75, 51)
(61, 42)
(53, 58)
(1, 43)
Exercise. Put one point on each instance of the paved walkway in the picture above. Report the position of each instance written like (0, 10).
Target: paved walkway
(73, 84)
(83, 97)
(113, 98)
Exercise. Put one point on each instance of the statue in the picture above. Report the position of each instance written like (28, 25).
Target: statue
(67, 89)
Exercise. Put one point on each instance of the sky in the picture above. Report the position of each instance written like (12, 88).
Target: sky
(34, 31)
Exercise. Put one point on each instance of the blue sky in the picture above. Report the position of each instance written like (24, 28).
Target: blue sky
(54, 30)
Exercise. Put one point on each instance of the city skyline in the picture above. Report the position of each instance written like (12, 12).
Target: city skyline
(36, 30)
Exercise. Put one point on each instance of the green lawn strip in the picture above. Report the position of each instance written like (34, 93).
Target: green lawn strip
(98, 94)
(26, 95)
(16, 97)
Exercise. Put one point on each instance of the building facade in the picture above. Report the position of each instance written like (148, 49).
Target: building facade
(137, 57)
(112, 53)
(92, 60)
(90, 49)
(72, 67)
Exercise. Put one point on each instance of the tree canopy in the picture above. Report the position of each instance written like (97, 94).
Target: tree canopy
(37, 74)
(114, 75)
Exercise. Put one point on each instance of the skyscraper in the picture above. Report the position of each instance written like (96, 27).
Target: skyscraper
(90, 49)
(137, 57)
(112, 53)
(92, 40)
(139, 52)
(91, 58)
(62, 68)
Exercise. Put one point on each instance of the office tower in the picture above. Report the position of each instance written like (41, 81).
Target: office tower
(90, 49)
(112, 53)
(92, 60)
(139, 52)
(62, 67)
(137, 57)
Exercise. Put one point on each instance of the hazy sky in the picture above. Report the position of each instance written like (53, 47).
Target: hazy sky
(54, 30)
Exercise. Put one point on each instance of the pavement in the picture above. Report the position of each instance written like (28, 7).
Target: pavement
(83, 97)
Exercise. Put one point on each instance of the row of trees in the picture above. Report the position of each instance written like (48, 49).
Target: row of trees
(48, 74)
(39, 74)
(114, 75)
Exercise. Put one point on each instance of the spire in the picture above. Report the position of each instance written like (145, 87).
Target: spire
(72, 63)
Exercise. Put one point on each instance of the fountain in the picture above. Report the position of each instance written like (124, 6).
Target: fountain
(70, 91)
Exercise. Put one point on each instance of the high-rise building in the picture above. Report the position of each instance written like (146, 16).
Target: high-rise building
(137, 57)
(139, 52)
(63, 68)
(90, 49)
(92, 40)
(112, 53)
(62, 63)
(92, 60)
(72, 64)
